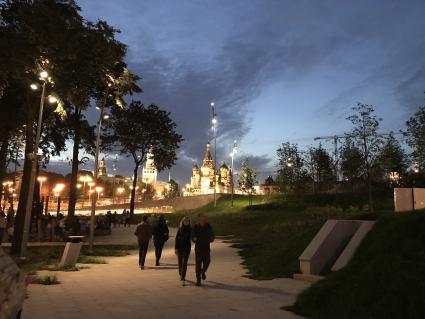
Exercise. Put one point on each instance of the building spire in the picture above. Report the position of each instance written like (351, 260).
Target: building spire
(207, 156)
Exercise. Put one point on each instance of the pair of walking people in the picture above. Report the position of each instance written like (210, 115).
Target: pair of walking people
(202, 235)
(144, 233)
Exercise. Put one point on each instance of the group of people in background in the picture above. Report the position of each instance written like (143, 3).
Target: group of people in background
(201, 234)
(116, 219)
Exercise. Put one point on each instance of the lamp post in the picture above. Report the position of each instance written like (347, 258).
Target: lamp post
(41, 180)
(57, 190)
(214, 127)
(102, 116)
(44, 77)
(234, 150)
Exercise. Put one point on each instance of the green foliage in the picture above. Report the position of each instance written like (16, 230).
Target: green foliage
(415, 135)
(385, 278)
(47, 280)
(292, 173)
(351, 162)
(391, 158)
(91, 260)
(148, 192)
(273, 232)
(173, 190)
(321, 164)
(247, 178)
(138, 130)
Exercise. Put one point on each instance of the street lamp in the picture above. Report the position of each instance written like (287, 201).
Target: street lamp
(57, 190)
(233, 154)
(99, 190)
(41, 180)
(44, 77)
(214, 127)
(102, 116)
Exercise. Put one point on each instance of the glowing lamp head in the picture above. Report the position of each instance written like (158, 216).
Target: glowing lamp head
(52, 99)
(34, 87)
(44, 75)
(214, 121)
(212, 104)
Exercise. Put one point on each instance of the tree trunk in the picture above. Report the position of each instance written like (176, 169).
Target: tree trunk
(3, 162)
(133, 191)
(74, 173)
(20, 215)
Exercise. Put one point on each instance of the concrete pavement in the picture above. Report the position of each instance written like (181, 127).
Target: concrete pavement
(120, 289)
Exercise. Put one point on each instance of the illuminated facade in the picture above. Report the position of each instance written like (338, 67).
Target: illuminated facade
(202, 180)
(149, 175)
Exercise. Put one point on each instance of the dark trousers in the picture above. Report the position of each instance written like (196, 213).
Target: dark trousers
(203, 259)
(1, 234)
(143, 250)
(158, 249)
(183, 257)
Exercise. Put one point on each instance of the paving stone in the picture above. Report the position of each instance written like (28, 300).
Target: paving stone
(121, 290)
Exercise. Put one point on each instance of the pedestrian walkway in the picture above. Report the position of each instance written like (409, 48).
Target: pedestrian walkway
(121, 290)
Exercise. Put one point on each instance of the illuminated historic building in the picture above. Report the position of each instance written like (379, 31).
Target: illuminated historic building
(149, 175)
(202, 180)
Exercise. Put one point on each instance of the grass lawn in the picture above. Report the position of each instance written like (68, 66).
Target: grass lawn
(385, 278)
(40, 258)
(273, 232)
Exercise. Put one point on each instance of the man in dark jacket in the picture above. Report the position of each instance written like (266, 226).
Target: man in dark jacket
(202, 236)
(144, 234)
(160, 236)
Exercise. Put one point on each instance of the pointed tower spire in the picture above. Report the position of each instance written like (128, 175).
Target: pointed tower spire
(207, 156)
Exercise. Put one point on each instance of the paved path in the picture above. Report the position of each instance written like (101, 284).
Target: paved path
(121, 290)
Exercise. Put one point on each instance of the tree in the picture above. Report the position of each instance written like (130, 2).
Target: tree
(269, 181)
(247, 179)
(173, 190)
(291, 173)
(137, 131)
(365, 135)
(391, 160)
(351, 162)
(321, 165)
(148, 192)
(415, 136)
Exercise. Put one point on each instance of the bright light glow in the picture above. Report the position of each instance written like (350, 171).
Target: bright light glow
(34, 87)
(79, 186)
(58, 188)
(44, 75)
(85, 178)
(212, 104)
(106, 116)
(52, 99)
(97, 108)
(214, 121)
(42, 178)
(99, 189)
(120, 190)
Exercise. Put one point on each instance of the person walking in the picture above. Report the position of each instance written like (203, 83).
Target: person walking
(183, 247)
(202, 236)
(3, 225)
(144, 234)
(160, 236)
(127, 218)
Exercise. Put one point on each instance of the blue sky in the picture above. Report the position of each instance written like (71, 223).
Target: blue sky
(278, 70)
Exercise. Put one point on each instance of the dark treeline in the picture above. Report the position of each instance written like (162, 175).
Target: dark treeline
(365, 160)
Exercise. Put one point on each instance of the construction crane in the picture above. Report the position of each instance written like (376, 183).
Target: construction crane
(335, 139)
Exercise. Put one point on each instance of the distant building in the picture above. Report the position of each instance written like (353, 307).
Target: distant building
(102, 168)
(149, 175)
(202, 180)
